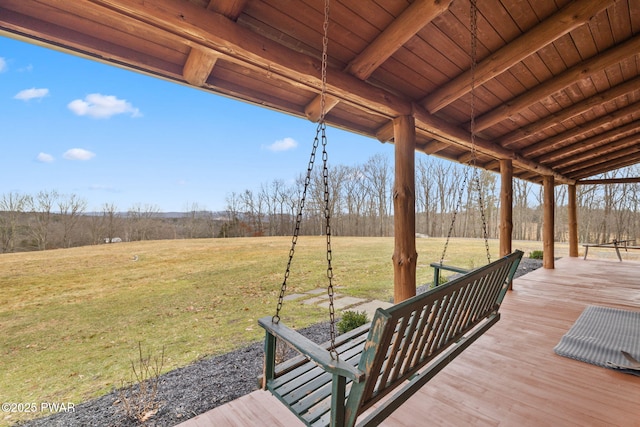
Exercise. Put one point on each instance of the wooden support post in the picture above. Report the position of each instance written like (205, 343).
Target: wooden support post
(506, 208)
(404, 205)
(548, 222)
(573, 221)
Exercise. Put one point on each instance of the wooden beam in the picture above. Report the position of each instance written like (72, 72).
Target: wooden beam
(548, 225)
(449, 133)
(386, 132)
(413, 19)
(229, 8)
(571, 112)
(573, 15)
(192, 24)
(313, 110)
(573, 221)
(506, 207)
(569, 77)
(592, 164)
(404, 255)
(199, 65)
(633, 180)
(606, 144)
(615, 163)
(560, 140)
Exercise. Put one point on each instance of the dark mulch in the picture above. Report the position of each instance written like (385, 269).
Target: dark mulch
(197, 388)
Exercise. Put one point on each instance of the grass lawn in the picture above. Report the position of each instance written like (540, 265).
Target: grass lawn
(71, 320)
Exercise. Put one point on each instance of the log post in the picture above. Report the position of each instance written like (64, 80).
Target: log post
(404, 255)
(506, 208)
(573, 222)
(548, 224)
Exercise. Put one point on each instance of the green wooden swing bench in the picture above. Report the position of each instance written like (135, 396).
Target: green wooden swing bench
(398, 352)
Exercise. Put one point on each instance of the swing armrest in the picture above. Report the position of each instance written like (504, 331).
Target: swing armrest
(313, 351)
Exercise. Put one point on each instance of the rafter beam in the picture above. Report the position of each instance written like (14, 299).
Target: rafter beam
(569, 77)
(199, 65)
(633, 180)
(241, 45)
(413, 19)
(558, 141)
(616, 163)
(449, 133)
(595, 146)
(594, 162)
(573, 15)
(571, 112)
(229, 8)
(417, 15)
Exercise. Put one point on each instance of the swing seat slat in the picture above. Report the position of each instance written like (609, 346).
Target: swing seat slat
(398, 352)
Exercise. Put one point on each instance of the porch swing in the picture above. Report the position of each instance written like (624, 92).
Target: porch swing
(339, 382)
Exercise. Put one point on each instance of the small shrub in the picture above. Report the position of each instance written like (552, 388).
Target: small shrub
(139, 398)
(535, 254)
(351, 320)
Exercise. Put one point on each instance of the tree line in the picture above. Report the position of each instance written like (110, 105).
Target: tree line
(360, 204)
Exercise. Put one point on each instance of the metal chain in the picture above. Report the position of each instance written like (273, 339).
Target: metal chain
(485, 234)
(473, 16)
(320, 137)
(455, 214)
(296, 232)
(325, 178)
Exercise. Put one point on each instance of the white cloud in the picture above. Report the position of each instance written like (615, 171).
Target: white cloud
(33, 93)
(101, 106)
(3, 64)
(78, 154)
(283, 145)
(45, 158)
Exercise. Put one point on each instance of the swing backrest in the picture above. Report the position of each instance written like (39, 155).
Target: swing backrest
(405, 338)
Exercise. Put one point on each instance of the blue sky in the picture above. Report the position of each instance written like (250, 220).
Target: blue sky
(110, 135)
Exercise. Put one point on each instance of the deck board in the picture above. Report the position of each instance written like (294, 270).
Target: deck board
(510, 376)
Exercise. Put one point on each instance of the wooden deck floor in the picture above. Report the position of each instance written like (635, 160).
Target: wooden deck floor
(510, 376)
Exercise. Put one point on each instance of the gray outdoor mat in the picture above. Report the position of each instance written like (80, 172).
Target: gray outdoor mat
(601, 336)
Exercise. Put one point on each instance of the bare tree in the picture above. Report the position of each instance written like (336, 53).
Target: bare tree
(378, 174)
(140, 219)
(111, 222)
(42, 213)
(12, 206)
(70, 207)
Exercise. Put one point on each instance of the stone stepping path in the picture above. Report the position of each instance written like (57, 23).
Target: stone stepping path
(341, 302)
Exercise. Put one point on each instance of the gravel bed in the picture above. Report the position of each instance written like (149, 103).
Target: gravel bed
(196, 388)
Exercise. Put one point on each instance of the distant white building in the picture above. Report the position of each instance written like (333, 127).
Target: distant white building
(112, 240)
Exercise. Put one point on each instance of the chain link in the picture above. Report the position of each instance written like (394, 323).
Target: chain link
(473, 25)
(320, 138)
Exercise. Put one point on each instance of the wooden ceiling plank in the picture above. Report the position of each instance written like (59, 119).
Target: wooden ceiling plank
(199, 65)
(444, 131)
(561, 139)
(632, 180)
(401, 29)
(603, 142)
(236, 43)
(571, 16)
(229, 8)
(569, 113)
(577, 72)
(630, 149)
(608, 166)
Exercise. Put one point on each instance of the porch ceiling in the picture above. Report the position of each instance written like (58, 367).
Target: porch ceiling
(557, 81)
